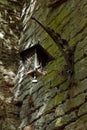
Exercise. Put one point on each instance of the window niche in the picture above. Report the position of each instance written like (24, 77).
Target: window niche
(35, 58)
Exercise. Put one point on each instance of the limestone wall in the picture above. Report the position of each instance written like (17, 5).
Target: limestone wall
(51, 103)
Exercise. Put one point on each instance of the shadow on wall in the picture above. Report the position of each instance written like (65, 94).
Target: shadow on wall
(9, 57)
(54, 4)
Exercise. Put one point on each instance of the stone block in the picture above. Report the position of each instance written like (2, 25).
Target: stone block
(80, 69)
(82, 109)
(79, 124)
(65, 119)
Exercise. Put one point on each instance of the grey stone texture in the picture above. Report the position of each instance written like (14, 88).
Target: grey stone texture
(51, 103)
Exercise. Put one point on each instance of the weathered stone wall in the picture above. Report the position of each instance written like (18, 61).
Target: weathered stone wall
(9, 60)
(51, 104)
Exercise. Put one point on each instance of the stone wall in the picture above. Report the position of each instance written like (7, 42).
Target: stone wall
(9, 60)
(54, 102)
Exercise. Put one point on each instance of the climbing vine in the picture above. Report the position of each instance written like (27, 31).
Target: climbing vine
(66, 51)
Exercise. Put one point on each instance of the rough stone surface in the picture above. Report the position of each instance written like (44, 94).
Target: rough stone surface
(50, 104)
(54, 102)
(9, 61)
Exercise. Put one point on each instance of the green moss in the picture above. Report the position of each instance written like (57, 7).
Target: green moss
(60, 17)
(56, 100)
(47, 40)
(82, 44)
(49, 76)
(57, 80)
(54, 49)
(63, 86)
(78, 54)
(81, 64)
(82, 23)
(63, 120)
